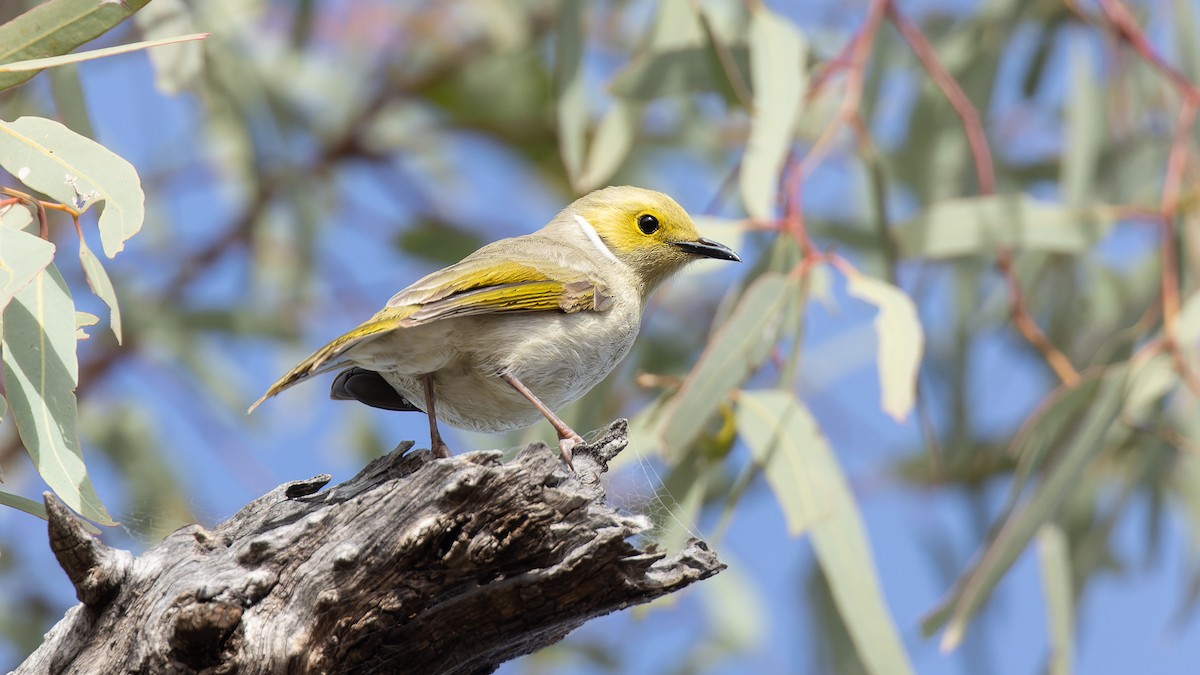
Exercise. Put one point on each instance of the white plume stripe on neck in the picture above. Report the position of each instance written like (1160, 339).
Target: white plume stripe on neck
(594, 237)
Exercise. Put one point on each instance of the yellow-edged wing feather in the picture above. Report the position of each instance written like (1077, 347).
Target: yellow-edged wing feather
(480, 284)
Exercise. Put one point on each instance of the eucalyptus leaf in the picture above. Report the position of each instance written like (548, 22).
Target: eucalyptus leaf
(1153, 378)
(678, 71)
(806, 478)
(1012, 537)
(17, 217)
(677, 59)
(77, 171)
(779, 436)
(69, 101)
(820, 287)
(1049, 428)
(899, 340)
(1054, 560)
(676, 28)
(1188, 322)
(23, 504)
(676, 24)
(1084, 129)
(176, 67)
(22, 257)
(834, 650)
(507, 24)
(734, 353)
(980, 225)
(101, 285)
(570, 100)
(1187, 38)
(40, 374)
(611, 144)
(84, 320)
(779, 79)
(78, 57)
(56, 27)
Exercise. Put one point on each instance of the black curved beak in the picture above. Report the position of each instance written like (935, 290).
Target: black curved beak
(708, 248)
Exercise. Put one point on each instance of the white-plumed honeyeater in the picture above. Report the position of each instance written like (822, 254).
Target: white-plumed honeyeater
(520, 327)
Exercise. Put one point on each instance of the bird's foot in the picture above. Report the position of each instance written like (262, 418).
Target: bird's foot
(439, 449)
(566, 444)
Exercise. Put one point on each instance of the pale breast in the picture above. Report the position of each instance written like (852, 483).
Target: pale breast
(559, 357)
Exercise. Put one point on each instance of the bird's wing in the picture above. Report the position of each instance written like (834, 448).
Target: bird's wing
(480, 284)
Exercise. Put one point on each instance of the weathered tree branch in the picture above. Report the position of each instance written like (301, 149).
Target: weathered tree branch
(414, 565)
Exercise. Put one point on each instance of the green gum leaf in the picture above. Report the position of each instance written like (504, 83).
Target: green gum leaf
(808, 482)
(22, 257)
(899, 341)
(1054, 560)
(101, 285)
(779, 80)
(1078, 448)
(737, 349)
(75, 170)
(56, 27)
(40, 374)
(971, 226)
(571, 102)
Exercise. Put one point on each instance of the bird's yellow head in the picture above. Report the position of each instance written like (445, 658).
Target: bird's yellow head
(644, 229)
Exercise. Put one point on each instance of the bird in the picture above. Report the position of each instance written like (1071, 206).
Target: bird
(521, 326)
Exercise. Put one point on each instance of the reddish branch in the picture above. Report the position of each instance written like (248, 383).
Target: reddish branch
(985, 175)
(962, 105)
(1122, 21)
(1168, 238)
(1127, 29)
(853, 60)
(39, 208)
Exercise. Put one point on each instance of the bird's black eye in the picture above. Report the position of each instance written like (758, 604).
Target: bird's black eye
(647, 223)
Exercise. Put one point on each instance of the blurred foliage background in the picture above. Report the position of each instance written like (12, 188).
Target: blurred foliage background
(960, 357)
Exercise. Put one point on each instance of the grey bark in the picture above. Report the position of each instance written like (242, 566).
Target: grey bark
(414, 565)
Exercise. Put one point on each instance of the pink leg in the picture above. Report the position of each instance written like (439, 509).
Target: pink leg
(567, 438)
(436, 445)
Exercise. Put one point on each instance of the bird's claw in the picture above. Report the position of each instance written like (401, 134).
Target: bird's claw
(440, 450)
(566, 445)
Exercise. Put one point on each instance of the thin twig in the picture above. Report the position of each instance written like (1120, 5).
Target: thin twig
(874, 165)
(986, 177)
(793, 217)
(1123, 22)
(39, 207)
(1169, 241)
(958, 99)
(1128, 30)
(857, 52)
